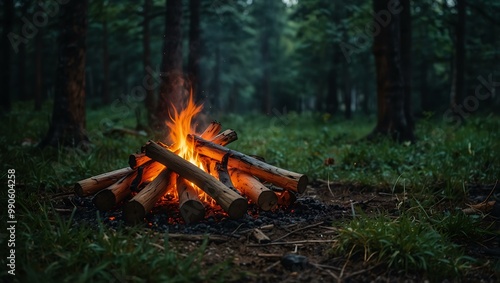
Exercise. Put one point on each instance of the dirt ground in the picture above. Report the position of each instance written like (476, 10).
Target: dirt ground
(300, 238)
(274, 261)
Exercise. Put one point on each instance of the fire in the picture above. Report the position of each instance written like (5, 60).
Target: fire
(180, 126)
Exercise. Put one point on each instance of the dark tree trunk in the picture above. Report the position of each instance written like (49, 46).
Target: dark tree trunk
(194, 47)
(106, 99)
(365, 103)
(172, 81)
(391, 118)
(215, 88)
(265, 83)
(149, 84)
(459, 67)
(332, 102)
(67, 127)
(347, 91)
(21, 63)
(5, 101)
(38, 70)
(425, 103)
(406, 62)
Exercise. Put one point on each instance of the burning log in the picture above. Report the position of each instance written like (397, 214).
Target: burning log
(212, 130)
(137, 159)
(225, 138)
(286, 198)
(109, 197)
(253, 189)
(278, 176)
(190, 206)
(136, 209)
(234, 204)
(94, 184)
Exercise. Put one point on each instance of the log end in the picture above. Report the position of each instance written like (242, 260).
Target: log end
(267, 200)
(192, 211)
(133, 212)
(79, 190)
(238, 208)
(302, 184)
(104, 200)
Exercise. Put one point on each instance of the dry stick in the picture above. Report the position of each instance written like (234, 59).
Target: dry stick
(292, 243)
(234, 204)
(109, 197)
(278, 176)
(94, 184)
(225, 138)
(136, 209)
(260, 236)
(137, 159)
(253, 189)
(190, 206)
(297, 230)
(212, 130)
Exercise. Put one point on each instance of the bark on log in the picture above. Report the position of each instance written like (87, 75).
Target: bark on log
(253, 189)
(211, 131)
(137, 159)
(109, 197)
(278, 176)
(114, 194)
(94, 184)
(234, 204)
(190, 206)
(136, 209)
(225, 138)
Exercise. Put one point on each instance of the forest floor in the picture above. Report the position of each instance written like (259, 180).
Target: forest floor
(373, 210)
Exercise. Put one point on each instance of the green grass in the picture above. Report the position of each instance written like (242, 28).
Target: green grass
(406, 244)
(436, 169)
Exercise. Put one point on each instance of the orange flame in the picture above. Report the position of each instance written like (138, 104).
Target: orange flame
(180, 126)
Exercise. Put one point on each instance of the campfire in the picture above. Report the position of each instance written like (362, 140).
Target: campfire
(197, 171)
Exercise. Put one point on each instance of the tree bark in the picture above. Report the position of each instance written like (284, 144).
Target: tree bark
(391, 119)
(194, 47)
(406, 62)
(459, 90)
(149, 101)
(332, 101)
(21, 62)
(8, 23)
(38, 69)
(172, 81)
(347, 92)
(106, 99)
(67, 127)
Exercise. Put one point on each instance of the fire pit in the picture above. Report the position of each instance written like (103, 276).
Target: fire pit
(196, 170)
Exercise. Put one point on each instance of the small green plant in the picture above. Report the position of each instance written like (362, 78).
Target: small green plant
(401, 244)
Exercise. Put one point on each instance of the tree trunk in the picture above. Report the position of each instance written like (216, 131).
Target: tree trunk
(194, 46)
(106, 99)
(146, 46)
(21, 63)
(391, 118)
(406, 62)
(38, 69)
(459, 69)
(424, 87)
(5, 101)
(347, 92)
(68, 117)
(332, 102)
(171, 95)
